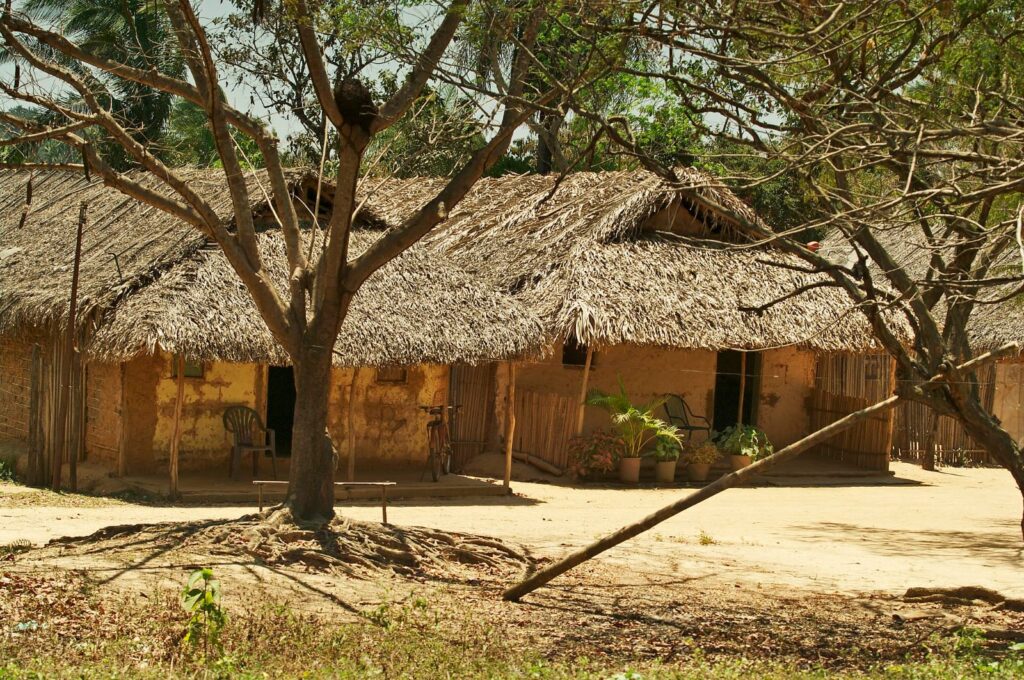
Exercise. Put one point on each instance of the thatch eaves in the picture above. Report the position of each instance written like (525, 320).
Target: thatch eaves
(416, 309)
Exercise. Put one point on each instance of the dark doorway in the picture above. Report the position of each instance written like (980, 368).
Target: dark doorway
(281, 406)
(727, 388)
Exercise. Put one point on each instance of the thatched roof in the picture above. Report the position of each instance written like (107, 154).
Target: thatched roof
(416, 309)
(998, 316)
(521, 262)
(621, 257)
(36, 259)
(168, 288)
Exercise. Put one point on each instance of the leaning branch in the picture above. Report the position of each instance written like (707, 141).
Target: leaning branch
(516, 592)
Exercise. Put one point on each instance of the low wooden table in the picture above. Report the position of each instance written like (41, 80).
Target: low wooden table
(383, 486)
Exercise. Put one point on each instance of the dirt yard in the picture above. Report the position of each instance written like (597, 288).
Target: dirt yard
(807, 576)
(948, 528)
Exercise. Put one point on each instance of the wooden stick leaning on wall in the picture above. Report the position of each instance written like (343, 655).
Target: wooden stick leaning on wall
(179, 401)
(62, 442)
(516, 592)
(510, 424)
(584, 386)
(350, 427)
(743, 387)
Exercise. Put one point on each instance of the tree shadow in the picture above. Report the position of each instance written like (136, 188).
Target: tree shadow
(991, 544)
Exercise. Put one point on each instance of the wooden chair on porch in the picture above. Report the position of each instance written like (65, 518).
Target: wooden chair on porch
(680, 415)
(250, 435)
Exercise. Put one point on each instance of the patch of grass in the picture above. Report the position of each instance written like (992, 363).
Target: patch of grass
(704, 538)
(36, 498)
(58, 628)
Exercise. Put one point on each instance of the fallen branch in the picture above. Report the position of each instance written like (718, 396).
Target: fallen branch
(516, 592)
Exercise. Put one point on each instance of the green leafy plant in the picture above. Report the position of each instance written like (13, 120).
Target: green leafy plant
(666, 449)
(705, 454)
(744, 440)
(597, 452)
(6, 471)
(201, 599)
(636, 425)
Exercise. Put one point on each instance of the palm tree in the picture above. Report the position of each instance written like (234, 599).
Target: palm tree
(134, 32)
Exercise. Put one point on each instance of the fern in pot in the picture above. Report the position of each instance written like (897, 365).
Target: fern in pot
(666, 455)
(744, 444)
(637, 427)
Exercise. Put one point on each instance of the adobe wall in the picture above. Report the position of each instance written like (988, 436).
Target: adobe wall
(1009, 397)
(647, 373)
(205, 444)
(388, 424)
(102, 413)
(787, 377)
(15, 387)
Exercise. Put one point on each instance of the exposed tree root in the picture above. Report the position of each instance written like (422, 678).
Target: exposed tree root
(346, 546)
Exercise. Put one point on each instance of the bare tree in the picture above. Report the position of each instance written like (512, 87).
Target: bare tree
(906, 121)
(305, 316)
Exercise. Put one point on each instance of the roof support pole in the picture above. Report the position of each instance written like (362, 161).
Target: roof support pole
(510, 423)
(584, 386)
(122, 463)
(62, 441)
(743, 386)
(350, 427)
(179, 401)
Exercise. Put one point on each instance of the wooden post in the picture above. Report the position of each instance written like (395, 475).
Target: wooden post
(122, 463)
(176, 436)
(583, 390)
(351, 428)
(510, 424)
(62, 442)
(890, 434)
(743, 386)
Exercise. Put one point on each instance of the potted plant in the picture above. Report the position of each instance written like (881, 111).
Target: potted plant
(595, 454)
(700, 459)
(636, 425)
(744, 444)
(666, 454)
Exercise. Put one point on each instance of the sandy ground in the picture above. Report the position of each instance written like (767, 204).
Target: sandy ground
(948, 528)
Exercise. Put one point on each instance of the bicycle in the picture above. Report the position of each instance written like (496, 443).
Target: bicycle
(439, 458)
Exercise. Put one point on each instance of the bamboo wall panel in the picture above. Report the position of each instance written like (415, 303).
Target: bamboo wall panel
(864, 445)
(471, 388)
(545, 422)
(953, 446)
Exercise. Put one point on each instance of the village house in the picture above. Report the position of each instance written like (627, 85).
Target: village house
(548, 287)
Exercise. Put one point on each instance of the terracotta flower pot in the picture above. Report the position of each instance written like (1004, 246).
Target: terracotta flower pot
(665, 471)
(629, 470)
(739, 462)
(698, 472)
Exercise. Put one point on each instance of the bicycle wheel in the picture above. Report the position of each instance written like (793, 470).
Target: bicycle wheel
(446, 459)
(436, 465)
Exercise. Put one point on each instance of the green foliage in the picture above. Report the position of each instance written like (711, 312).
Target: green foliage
(596, 452)
(6, 471)
(201, 599)
(637, 425)
(744, 440)
(189, 140)
(666, 449)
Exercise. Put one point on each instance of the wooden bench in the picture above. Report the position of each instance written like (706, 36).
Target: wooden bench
(383, 486)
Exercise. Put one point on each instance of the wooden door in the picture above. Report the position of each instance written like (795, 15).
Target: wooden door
(472, 389)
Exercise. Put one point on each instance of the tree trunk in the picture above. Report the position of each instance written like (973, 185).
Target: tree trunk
(928, 455)
(987, 431)
(311, 480)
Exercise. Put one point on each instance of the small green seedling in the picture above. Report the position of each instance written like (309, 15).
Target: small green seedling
(201, 599)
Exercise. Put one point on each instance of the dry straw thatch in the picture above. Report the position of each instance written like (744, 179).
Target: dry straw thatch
(416, 309)
(998, 315)
(167, 289)
(521, 262)
(622, 257)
